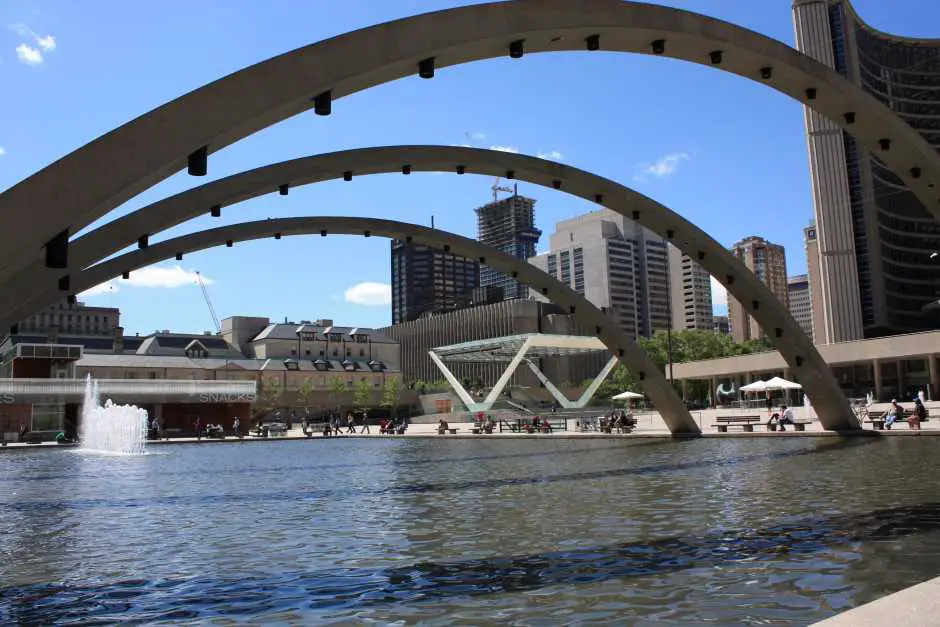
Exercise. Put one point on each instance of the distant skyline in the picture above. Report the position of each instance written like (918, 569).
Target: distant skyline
(725, 152)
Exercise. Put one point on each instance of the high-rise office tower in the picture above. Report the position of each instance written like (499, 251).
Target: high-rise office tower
(617, 264)
(817, 319)
(874, 236)
(428, 280)
(801, 304)
(691, 293)
(722, 326)
(508, 225)
(769, 263)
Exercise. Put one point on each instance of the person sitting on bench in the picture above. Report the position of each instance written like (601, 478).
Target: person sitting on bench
(442, 427)
(895, 412)
(786, 418)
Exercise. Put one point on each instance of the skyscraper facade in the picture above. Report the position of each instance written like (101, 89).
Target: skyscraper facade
(801, 305)
(769, 263)
(616, 264)
(508, 225)
(691, 293)
(427, 280)
(874, 236)
(818, 318)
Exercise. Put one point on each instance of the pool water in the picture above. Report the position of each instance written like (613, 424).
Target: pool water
(468, 531)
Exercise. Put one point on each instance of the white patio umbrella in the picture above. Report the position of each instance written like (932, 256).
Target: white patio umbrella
(781, 384)
(625, 396)
(757, 386)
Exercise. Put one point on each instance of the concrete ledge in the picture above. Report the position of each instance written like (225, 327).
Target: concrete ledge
(917, 606)
(564, 435)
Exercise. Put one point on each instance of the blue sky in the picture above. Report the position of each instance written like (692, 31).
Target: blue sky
(722, 151)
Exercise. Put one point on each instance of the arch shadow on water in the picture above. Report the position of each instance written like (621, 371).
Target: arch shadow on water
(346, 589)
(418, 488)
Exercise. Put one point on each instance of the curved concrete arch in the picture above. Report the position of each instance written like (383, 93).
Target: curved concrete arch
(784, 332)
(85, 185)
(670, 406)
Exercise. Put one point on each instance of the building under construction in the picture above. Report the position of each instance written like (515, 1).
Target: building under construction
(508, 225)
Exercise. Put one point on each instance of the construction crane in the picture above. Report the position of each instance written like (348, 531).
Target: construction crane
(205, 295)
(496, 189)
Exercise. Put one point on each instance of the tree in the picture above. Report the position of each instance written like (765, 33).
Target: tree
(362, 394)
(337, 389)
(391, 392)
(304, 391)
(687, 345)
(271, 392)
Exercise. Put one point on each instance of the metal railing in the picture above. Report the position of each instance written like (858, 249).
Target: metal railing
(131, 387)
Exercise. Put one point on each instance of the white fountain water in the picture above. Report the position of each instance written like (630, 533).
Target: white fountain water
(114, 429)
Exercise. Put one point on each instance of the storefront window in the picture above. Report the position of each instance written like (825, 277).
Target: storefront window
(48, 418)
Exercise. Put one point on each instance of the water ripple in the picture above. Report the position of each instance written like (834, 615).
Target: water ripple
(523, 532)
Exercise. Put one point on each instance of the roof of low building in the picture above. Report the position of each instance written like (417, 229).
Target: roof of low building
(175, 344)
(289, 331)
(91, 344)
(132, 360)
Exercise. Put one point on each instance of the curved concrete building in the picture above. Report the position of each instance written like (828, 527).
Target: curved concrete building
(875, 236)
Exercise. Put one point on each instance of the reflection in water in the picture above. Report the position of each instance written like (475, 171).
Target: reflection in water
(548, 531)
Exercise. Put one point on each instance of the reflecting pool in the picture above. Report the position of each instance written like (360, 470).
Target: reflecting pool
(469, 531)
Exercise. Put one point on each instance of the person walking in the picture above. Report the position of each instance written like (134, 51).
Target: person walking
(237, 427)
(198, 426)
(350, 424)
(365, 425)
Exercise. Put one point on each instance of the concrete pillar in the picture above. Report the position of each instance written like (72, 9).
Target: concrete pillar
(899, 368)
(685, 390)
(934, 391)
(876, 372)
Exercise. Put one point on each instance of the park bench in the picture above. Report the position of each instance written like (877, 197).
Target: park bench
(38, 437)
(315, 427)
(877, 418)
(746, 422)
(798, 425)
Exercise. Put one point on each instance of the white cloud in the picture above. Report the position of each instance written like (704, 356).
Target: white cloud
(47, 43)
(551, 155)
(662, 167)
(369, 294)
(152, 276)
(28, 55)
(719, 294)
(511, 149)
(3, 151)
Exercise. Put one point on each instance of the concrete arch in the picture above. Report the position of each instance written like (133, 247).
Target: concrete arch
(86, 184)
(670, 406)
(784, 332)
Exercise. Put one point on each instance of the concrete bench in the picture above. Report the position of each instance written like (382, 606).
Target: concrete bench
(798, 425)
(745, 422)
